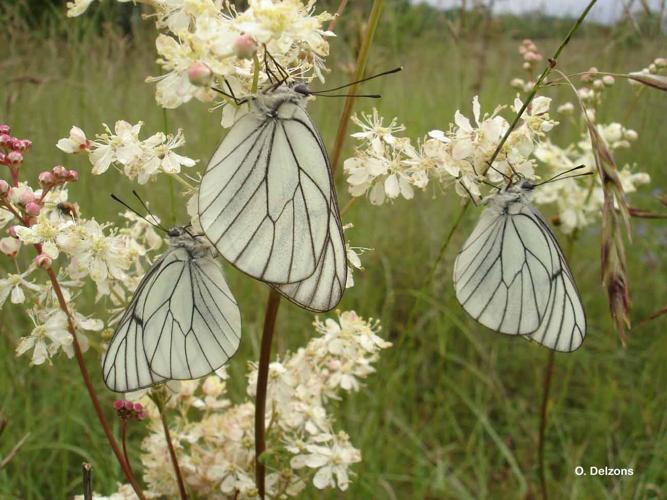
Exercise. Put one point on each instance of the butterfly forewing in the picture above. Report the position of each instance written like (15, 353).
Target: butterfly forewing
(265, 197)
(183, 323)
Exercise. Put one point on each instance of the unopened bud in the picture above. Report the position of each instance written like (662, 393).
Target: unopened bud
(33, 209)
(26, 197)
(12, 231)
(10, 246)
(59, 171)
(46, 179)
(5, 139)
(245, 47)
(660, 62)
(200, 74)
(13, 158)
(72, 176)
(43, 261)
(4, 129)
(4, 187)
(608, 80)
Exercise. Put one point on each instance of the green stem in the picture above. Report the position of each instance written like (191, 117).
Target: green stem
(362, 58)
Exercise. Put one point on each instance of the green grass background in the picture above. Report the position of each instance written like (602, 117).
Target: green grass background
(453, 411)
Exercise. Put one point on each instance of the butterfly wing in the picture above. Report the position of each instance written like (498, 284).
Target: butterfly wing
(183, 323)
(264, 201)
(322, 290)
(502, 274)
(564, 325)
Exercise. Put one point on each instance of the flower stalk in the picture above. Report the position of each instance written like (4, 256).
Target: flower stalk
(262, 384)
(362, 58)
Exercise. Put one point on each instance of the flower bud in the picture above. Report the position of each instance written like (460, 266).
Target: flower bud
(526, 65)
(72, 176)
(608, 80)
(59, 171)
(4, 129)
(26, 197)
(43, 261)
(660, 62)
(631, 135)
(597, 84)
(245, 47)
(5, 139)
(20, 145)
(46, 179)
(12, 231)
(10, 246)
(118, 404)
(33, 209)
(4, 187)
(200, 74)
(13, 158)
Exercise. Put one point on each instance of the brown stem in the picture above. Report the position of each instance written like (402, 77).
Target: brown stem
(123, 442)
(546, 389)
(339, 12)
(341, 135)
(172, 454)
(91, 390)
(87, 481)
(262, 384)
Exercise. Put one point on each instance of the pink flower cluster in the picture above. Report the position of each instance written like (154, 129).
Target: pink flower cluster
(21, 200)
(127, 410)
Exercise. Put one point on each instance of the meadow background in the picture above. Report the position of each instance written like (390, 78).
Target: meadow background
(453, 410)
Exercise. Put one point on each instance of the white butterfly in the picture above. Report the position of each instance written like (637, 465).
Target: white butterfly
(183, 321)
(267, 201)
(512, 277)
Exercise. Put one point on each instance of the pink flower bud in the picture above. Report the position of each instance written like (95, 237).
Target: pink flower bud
(14, 158)
(26, 144)
(4, 129)
(3, 159)
(43, 261)
(128, 405)
(200, 74)
(119, 404)
(18, 144)
(5, 139)
(46, 179)
(59, 171)
(141, 415)
(9, 246)
(138, 407)
(33, 209)
(245, 47)
(4, 187)
(12, 231)
(72, 176)
(26, 197)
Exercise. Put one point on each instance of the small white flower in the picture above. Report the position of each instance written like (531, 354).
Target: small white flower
(13, 286)
(75, 143)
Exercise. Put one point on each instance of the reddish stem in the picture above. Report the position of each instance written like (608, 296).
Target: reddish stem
(172, 455)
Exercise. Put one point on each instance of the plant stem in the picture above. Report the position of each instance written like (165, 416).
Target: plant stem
(262, 384)
(546, 389)
(87, 481)
(545, 73)
(341, 135)
(172, 453)
(89, 387)
(339, 12)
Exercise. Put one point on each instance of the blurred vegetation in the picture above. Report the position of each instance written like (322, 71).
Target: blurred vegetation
(453, 410)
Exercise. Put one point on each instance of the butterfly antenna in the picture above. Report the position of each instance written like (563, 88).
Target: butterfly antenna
(134, 211)
(370, 96)
(373, 77)
(283, 72)
(472, 198)
(560, 175)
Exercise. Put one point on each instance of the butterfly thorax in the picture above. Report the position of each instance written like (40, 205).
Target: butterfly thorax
(512, 198)
(269, 103)
(179, 237)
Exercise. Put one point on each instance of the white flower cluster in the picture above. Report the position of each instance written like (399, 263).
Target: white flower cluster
(579, 200)
(112, 258)
(208, 43)
(385, 167)
(135, 158)
(216, 445)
